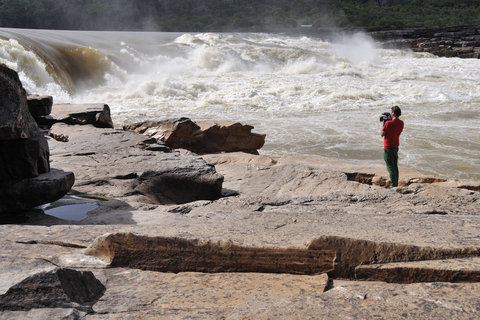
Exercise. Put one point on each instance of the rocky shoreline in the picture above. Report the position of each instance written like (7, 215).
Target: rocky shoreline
(454, 41)
(166, 233)
(458, 41)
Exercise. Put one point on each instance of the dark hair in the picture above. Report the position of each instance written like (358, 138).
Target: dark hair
(396, 110)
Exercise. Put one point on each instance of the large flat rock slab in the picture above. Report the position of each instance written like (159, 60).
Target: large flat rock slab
(196, 295)
(122, 164)
(274, 203)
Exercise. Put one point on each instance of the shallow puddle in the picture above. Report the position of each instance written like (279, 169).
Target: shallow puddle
(75, 212)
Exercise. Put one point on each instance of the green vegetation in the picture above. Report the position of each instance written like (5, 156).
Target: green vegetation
(239, 15)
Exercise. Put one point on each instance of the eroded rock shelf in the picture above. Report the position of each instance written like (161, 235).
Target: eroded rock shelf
(170, 234)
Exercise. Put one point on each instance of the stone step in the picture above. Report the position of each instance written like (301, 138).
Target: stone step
(446, 270)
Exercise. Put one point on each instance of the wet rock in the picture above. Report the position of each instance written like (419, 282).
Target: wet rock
(202, 137)
(97, 114)
(60, 288)
(39, 105)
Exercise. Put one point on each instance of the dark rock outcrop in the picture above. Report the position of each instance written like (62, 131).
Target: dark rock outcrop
(202, 137)
(39, 106)
(96, 114)
(25, 177)
(460, 41)
(24, 194)
(24, 148)
(60, 288)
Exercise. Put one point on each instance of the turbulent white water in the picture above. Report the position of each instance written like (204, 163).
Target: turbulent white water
(309, 96)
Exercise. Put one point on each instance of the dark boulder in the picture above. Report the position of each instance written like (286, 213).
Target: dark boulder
(25, 177)
(96, 114)
(24, 148)
(24, 194)
(60, 288)
(39, 105)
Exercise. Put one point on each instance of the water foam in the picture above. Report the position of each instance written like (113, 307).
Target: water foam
(32, 70)
(309, 96)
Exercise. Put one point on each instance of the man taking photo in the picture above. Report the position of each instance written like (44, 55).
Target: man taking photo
(391, 133)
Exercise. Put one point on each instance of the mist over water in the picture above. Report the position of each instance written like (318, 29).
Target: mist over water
(309, 96)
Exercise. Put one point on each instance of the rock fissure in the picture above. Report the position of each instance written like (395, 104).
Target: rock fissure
(53, 242)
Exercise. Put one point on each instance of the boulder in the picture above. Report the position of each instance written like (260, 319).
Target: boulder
(24, 194)
(25, 177)
(202, 137)
(24, 148)
(39, 105)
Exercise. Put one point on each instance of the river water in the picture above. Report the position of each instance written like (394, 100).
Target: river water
(309, 96)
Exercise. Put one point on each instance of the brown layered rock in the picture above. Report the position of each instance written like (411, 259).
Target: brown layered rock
(183, 255)
(350, 253)
(446, 270)
(60, 288)
(202, 137)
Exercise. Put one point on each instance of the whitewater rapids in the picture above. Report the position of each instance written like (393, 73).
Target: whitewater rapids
(309, 96)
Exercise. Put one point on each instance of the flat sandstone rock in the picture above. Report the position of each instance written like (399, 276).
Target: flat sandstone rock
(274, 203)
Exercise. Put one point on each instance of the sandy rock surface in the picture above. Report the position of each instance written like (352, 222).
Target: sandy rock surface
(119, 163)
(269, 203)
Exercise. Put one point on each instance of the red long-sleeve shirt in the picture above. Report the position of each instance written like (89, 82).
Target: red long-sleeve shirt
(392, 130)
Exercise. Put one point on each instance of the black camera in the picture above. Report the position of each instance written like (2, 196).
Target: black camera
(386, 116)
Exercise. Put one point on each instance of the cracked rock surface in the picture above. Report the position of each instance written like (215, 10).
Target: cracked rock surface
(273, 203)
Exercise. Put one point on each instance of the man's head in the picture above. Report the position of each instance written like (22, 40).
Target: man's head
(396, 111)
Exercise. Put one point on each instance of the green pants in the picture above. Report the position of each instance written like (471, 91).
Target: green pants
(391, 159)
